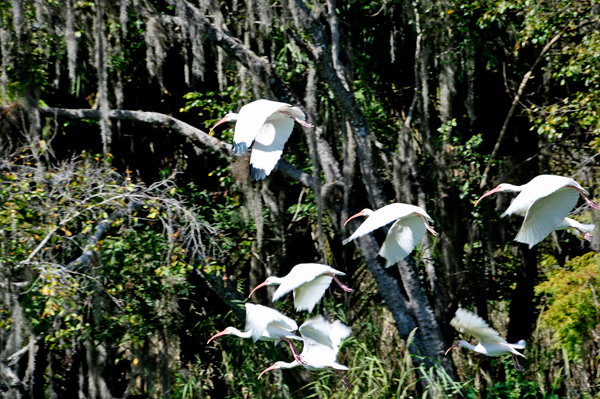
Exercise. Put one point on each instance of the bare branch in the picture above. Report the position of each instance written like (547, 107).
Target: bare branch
(82, 263)
(513, 107)
(195, 135)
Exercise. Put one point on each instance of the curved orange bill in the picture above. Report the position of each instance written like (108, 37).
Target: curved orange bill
(257, 287)
(273, 367)
(217, 124)
(361, 213)
(224, 332)
(494, 191)
(449, 349)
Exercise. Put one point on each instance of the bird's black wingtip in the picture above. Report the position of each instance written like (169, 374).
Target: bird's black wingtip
(257, 173)
(239, 148)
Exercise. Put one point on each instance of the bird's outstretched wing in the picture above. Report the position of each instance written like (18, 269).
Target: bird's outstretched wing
(250, 120)
(545, 214)
(308, 294)
(403, 237)
(322, 340)
(325, 333)
(269, 144)
(381, 217)
(259, 317)
(519, 345)
(468, 322)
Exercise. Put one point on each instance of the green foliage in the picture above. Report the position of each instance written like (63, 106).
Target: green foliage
(212, 106)
(143, 270)
(46, 220)
(572, 312)
(192, 383)
(144, 278)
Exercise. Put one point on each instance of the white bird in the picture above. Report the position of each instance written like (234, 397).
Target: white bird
(584, 229)
(545, 201)
(268, 124)
(490, 342)
(322, 340)
(309, 282)
(411, 224)
(265, 324)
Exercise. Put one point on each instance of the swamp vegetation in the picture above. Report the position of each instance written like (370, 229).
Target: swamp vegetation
(129, 235)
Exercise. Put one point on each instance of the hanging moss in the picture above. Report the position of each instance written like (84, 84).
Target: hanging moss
(4, 64)
(156, 48)
(198, 62)
(17, 11)
(71, 42)
(101, 57)
(124, 16)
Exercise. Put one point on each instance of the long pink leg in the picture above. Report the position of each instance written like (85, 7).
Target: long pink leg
(590, 203)
(587, 236)
(303, 123)
(294, 351)
(342, 285)
(344, 381)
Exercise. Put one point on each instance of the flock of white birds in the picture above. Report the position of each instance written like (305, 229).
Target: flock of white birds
(544, 202)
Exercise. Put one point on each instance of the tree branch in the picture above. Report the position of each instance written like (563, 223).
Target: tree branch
(197, 137)
(346, 100)
(83, 261)
(259, 66)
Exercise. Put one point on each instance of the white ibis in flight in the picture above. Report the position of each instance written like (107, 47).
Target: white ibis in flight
(309, 282)
(545, 202)
(584, 229)
(265, 324)
(490, 342)
(268, 124)
(411, 224)
(322, 340)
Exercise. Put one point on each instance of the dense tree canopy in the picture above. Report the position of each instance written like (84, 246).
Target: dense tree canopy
(129, 235)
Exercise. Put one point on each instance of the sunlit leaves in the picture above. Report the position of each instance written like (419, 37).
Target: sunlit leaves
(573, 309)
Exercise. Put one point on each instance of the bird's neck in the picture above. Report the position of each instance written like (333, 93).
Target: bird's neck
(275, 280)
(465, 344)
(284, 365)
(512, 188)
(238, 333)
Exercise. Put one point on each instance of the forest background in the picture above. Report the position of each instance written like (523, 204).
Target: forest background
(129, 236)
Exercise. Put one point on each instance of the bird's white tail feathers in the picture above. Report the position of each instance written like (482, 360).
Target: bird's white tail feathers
(339, 331)
(346, 241)
(587, 227)
(519, 345)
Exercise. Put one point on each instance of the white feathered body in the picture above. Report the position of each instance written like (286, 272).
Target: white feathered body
(262, 122)
(490, 342)
(403, 236)
(309, 281)
(322, 340)
(266, 324)
(545, 202)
